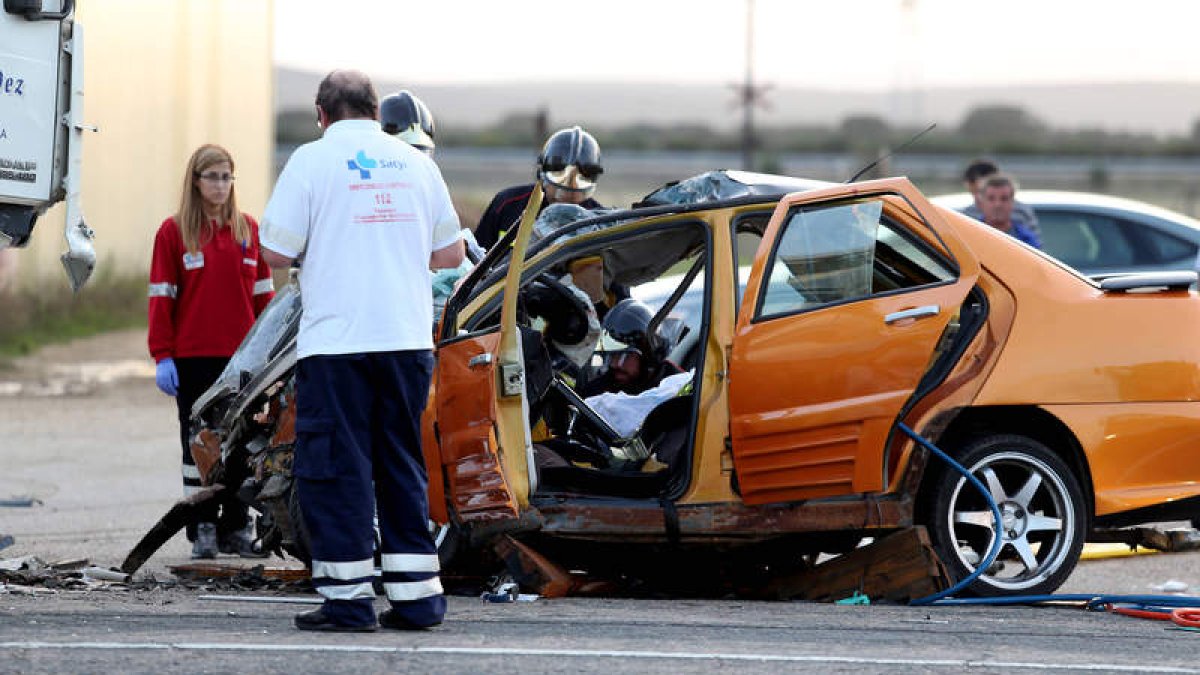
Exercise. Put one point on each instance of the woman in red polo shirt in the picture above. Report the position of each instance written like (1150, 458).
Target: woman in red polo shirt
(208, 282)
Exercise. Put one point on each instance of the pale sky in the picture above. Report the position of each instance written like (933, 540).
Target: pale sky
(844, 44)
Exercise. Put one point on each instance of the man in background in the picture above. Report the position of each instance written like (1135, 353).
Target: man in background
(975, 172)
(997, 196)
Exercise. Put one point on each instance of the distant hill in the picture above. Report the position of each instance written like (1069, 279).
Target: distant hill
(1160, 108)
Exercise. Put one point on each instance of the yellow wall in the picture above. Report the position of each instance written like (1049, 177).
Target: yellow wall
(161, 78)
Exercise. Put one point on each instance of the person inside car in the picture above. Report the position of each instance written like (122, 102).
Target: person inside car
(634, 358)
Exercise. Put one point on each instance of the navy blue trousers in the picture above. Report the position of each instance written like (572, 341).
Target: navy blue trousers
(358, 454)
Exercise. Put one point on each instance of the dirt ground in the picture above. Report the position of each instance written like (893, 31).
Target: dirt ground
(87, 436)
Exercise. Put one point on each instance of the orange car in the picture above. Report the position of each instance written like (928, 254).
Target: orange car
(811, 319)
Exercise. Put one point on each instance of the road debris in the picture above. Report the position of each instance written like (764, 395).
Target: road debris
(102, 574)
(899, 567)
(173, 521)
(6, 540)
(21, 501)
(30, 571)
(1171, 586)
(243, 577)
(264, 598)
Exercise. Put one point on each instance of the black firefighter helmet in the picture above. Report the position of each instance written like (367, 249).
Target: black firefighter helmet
(570, 160)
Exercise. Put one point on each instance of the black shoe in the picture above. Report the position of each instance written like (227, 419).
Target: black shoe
(317, 620)
(390, 619)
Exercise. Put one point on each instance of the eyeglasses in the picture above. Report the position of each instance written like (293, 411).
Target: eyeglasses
(218, 177)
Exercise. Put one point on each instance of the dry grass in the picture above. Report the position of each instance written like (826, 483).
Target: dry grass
(45, 313)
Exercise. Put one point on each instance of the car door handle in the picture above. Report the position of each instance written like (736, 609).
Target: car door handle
(480, 360)
(912, 313)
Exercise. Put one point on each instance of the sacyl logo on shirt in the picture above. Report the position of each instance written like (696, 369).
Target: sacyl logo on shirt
(362, 164)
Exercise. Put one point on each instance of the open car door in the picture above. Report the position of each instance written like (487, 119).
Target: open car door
(849, 296)
(482, 414)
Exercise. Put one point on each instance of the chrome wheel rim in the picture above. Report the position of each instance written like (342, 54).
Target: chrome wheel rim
(1037, 528)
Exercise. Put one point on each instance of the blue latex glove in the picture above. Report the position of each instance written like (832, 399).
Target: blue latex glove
(167, 377)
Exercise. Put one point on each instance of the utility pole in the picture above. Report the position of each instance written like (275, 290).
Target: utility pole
(749, 94)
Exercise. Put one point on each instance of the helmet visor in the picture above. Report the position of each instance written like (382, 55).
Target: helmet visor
(571, 177)
(609, 344)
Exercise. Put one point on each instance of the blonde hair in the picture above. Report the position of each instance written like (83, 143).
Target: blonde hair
(193, 225)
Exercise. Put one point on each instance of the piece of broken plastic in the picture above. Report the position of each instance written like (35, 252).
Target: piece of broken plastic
(103, 574)
(1171, 586)
(856, 599)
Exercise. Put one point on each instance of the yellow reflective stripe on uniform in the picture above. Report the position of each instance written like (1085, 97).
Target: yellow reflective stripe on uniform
(410, 562)
(190, 471)
(163, 290)
(347, 592)
(402, 591)
(343, 570)
(263, 286)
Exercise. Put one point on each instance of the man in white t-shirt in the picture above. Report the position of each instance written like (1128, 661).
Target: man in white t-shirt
(370, 216)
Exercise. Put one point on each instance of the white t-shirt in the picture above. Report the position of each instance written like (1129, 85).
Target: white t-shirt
(366, 210)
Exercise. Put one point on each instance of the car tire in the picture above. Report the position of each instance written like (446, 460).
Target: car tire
(1042, 506)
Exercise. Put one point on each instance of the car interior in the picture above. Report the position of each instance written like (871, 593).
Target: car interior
(821, 259)
(577, 448)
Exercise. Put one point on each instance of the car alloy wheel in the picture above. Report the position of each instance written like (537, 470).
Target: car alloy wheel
(1042, 513)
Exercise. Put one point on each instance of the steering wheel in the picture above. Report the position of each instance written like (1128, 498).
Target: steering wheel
(566, 313)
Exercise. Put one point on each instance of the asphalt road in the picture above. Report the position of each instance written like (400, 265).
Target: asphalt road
(84, 433)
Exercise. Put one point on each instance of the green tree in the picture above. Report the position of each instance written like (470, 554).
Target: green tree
(1003, 124)
(865, 131)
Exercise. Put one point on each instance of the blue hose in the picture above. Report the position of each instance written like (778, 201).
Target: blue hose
(993, 550)
(1092, 601)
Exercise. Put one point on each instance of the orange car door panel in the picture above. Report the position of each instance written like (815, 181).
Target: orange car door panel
(847, 301)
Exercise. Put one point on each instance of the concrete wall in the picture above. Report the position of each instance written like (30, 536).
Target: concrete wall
(161, 78)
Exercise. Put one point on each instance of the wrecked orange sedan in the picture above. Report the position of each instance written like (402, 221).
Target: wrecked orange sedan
(797, 328)
(808, 321)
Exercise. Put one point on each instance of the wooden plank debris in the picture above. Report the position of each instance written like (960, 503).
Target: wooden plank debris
(229, 571)
(899, 567)
(533, 570)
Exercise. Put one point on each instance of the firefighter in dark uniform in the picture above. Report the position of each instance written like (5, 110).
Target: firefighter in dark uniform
(568, 169)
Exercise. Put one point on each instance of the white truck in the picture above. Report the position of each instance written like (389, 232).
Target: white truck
(41, 126)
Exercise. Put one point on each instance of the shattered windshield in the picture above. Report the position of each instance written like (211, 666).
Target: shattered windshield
(275, 327)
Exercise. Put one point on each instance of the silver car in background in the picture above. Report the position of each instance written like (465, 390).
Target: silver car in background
(1103, 236)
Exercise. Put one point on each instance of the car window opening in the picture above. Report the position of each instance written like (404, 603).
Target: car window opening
(620, 325)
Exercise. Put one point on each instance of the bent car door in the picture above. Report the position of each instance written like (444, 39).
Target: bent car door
(849, 295)
(482, 425)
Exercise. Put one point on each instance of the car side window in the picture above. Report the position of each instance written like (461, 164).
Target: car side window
(833, 254)
(1085, 240)
(1162, 247)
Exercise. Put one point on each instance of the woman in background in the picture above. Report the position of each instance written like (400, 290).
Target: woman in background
(208, 282)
